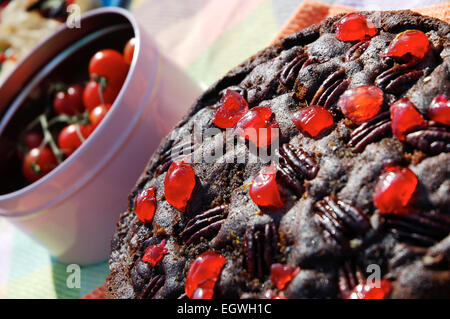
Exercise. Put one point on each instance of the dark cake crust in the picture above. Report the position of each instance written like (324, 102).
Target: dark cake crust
(417, 269)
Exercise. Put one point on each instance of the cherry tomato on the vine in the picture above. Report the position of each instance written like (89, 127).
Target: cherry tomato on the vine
(69, 102)
(97, 114)
(38, 162)
(69, 138)
(91, 95)
(128, 50)
(109, 64)
(33, 139)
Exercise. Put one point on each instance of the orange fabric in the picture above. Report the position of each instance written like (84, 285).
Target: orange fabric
(98, 293)
(441, 11)
(311, 12)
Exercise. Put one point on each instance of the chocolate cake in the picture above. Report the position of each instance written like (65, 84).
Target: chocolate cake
(346, 195)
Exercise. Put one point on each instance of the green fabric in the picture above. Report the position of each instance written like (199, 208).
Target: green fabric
(234, 46)
(34, 274)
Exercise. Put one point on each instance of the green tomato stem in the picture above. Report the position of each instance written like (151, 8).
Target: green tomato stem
(49, 138)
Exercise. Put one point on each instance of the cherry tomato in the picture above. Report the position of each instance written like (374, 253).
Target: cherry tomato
(33, 139)
(69, 102)
(69, 139)
(37, 163)
(109, 64)
(128, 51)
(91, 96)
(97, 114)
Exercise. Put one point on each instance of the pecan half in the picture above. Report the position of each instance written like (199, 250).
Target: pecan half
(356, 50)
(340, 220)
(398, 78)
(405, 254)
(295, 165)
(431, 140)
(153, 286)
(304, 165)
(260, 247)
(349, 276)
(421, 229)
(290, 71)
(370, 131)
(205, 225)
(329, 92)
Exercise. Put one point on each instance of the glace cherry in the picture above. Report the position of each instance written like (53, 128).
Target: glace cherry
(264, 190)
(405, 118)
(145, 204)
(232, 107)
(179, 184)
(203, 275)
(409, 42)
(362, 103)
(258, 126)
(394, 190)
(371, 291)
(440, 110)
(154, 254)
(355, 26)
(313, 120)
(281, 275)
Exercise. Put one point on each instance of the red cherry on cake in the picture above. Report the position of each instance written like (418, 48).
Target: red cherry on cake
(281, 275)
(355, 27)
(145, 204)
(232, 107)
(154, 254)
(412, 42)
(394, 190)
(264, 190)
(362, 103)
(203, 275)
(405, 118)
(179, 184)
(313, 120)
(258, 126)
(440, 110)
(369, 290)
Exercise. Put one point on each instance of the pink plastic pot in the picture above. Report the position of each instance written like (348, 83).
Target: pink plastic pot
(72, 210)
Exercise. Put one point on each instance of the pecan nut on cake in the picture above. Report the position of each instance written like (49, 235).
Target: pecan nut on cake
(336, 184)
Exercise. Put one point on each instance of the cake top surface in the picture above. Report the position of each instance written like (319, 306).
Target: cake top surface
(318, 161)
